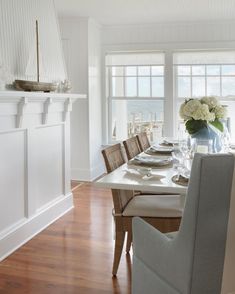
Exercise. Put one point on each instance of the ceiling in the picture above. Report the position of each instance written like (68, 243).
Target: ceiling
(116, 12)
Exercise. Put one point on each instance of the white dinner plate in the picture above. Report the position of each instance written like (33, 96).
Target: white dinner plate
(161, 149)
(169, 143)
(151, 161)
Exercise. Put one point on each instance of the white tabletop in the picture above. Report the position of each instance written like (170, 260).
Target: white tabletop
(122, 179)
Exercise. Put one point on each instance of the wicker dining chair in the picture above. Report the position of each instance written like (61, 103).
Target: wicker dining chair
(143, 141)
(162, 211)
(132, 147)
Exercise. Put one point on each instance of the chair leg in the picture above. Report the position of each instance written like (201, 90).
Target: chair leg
(119, 241)
(128, 242)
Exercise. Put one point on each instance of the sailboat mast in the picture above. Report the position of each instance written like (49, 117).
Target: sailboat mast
(37, 48)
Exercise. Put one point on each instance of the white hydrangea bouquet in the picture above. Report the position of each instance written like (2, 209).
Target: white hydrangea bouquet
(201, 113)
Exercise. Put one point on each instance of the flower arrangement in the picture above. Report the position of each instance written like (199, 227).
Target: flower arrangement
(199, 113)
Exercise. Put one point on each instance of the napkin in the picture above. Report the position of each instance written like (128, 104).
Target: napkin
(138, 172)
(150, 161)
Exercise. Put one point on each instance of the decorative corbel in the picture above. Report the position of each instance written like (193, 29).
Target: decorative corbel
(67, 108)
(47, 105)
(20, 111)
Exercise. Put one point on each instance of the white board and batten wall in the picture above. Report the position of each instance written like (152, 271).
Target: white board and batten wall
(35, 164)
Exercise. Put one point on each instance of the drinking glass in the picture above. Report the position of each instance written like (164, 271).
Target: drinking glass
(184, 146)
(225, 139)
(178, 157)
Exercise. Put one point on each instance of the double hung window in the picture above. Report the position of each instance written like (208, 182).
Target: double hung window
(136, 84)
(135, 94)
(199, 74)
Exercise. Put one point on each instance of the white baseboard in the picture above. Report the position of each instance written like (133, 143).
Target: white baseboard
(88, 175)
(97, 171)
(30, 227)
(80, 174)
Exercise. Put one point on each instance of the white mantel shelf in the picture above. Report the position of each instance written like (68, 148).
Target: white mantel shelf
(35, 163)
(37, 96)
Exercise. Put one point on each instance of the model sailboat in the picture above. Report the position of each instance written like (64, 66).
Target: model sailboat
(35, 85)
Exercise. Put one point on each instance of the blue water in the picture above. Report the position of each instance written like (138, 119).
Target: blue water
(148, 110)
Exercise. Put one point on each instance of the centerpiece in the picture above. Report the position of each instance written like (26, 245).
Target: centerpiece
(203, 119)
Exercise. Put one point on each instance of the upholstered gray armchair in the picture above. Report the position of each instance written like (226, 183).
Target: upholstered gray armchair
(189, 261)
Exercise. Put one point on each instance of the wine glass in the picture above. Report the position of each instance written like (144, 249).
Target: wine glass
(225, 139)
(178, 157)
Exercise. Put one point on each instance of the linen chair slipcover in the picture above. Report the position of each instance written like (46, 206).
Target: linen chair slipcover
(143, 141)
(228, 283)
(162, 211)
(191, 260)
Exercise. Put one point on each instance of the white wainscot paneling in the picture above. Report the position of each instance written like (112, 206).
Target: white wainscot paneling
(49, 163)
(34, 164)
(12, 179)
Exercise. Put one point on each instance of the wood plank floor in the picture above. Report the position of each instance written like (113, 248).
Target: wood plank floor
(72, 256)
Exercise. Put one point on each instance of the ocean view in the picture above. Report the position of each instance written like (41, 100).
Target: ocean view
(145, 110)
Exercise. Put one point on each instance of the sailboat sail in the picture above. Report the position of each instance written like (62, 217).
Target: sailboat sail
(35, 67)
(33, 70)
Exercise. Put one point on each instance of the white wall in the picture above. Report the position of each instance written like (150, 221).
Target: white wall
(169, 33)
(18, 43)
(74, 34)
(82, 48)
(95, 102)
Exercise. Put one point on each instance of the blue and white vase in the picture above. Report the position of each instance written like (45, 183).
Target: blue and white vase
(210, 133)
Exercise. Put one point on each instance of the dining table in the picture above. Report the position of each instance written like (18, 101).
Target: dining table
(127, 177)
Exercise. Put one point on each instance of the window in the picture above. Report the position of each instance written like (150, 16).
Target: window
(199, 74)
(135, 94)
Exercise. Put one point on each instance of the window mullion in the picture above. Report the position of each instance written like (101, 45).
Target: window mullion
(205, 81)
(124, 82)
(191, 82)
(170, 116)
(220, 82)
(110, 88)
(137, 81)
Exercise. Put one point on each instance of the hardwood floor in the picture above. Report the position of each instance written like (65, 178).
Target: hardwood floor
(75, 185)
(72, 256)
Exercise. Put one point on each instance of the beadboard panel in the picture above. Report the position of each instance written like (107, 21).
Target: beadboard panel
(18, 39)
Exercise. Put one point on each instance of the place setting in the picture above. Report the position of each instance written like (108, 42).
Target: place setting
(159, 150)
(144, 173)
(168, 142)
(165, 147)
(178, 156)
(146, 167)
(150, 161)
